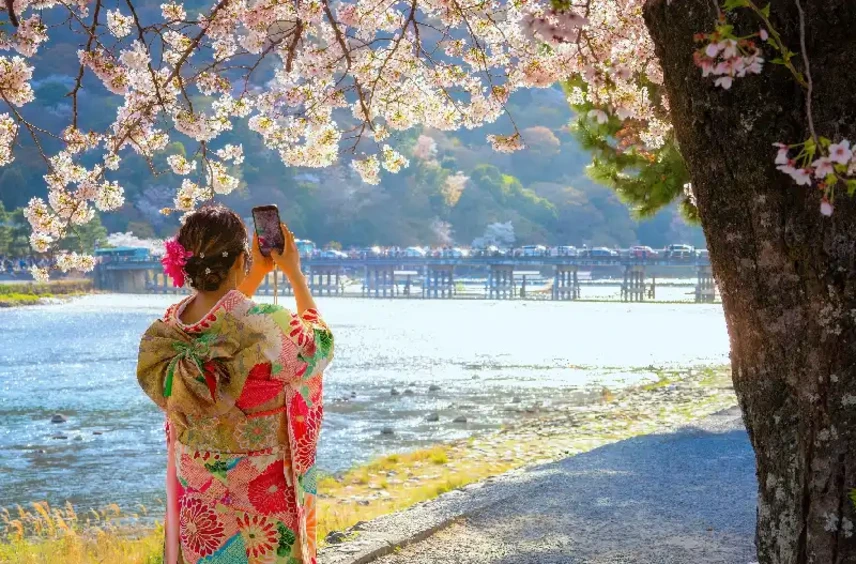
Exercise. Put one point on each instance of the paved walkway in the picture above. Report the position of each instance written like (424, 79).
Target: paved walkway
(686, 497)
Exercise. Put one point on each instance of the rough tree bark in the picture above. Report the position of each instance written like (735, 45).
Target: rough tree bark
(787, 274)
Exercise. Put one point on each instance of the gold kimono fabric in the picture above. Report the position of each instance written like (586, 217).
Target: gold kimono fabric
(242, 393)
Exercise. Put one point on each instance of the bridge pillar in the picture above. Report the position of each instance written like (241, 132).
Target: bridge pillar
(706, 286)
(500, 283)
(439, 282)
(566, 284)
(325, 278)
(283, 286)
(407, 277)
(633, 287)
(379, 281)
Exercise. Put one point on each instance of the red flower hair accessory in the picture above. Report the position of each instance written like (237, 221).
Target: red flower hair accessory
(173, 261)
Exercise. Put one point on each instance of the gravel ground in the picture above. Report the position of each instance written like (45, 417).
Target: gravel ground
(683, 497)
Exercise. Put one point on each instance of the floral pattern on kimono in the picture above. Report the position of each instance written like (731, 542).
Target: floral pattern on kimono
(242, 392)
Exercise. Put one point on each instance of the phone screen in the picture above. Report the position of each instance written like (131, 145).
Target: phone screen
(267, 224)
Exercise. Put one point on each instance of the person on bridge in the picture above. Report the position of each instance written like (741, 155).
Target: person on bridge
(240, 384)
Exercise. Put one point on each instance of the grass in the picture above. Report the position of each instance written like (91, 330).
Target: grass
(9, 300)
(394, 482)
(62, 536)
(30, 293)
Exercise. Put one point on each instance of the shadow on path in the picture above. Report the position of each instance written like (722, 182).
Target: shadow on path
(682, 497)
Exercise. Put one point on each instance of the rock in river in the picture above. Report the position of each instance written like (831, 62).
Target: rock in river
(433, 388)
(387, 431)
(460, 419)
(58, 418)
(432, 417)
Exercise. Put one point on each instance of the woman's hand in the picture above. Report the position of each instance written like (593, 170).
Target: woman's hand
(260, 267)
(261, 264)
(289, 260)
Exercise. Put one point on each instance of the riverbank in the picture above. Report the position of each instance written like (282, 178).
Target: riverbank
(681, 496)
(14, 294)
(54, 536)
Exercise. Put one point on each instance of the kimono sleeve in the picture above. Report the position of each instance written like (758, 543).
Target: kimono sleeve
(152, 364)
(312, 339)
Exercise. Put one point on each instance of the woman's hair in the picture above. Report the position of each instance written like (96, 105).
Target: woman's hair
(216, 236)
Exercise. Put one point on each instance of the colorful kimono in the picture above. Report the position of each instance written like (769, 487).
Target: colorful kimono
(242, 394)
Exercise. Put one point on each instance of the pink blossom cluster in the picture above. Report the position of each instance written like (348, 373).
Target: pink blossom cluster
(727, 58)
(836, 165)
(554, 25)
(72, 261)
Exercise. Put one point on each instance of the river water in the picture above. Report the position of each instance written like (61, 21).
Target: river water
(491, 361)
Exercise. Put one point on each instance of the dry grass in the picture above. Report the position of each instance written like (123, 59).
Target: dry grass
(50, 535)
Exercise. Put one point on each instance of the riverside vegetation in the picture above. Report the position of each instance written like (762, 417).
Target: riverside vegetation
(28, 293)
(54, 535)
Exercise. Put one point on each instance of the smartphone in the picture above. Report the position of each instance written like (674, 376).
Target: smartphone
(269, 229)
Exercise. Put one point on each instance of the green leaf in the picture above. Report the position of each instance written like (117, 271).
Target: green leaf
(824, 142)
(766, 11)
(851, 189)
(734, 4)
(778, 61)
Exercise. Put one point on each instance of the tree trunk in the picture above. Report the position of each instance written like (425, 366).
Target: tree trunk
(787, 274)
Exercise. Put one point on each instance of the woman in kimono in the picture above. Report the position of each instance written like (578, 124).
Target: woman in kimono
(240, 384)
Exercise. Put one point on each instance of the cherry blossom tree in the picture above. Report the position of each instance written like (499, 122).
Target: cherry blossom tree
(347, 76)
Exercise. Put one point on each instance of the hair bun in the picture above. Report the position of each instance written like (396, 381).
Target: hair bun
(216, 236)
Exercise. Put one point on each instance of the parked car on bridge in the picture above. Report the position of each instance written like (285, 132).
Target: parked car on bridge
(601, 252)
(333, 254)
(679, 252)
(123, 254)
(414, 252)
(702, 254)
(305, 247)
(564, 251)
(533, 250)
(644, 252)
(456, 252)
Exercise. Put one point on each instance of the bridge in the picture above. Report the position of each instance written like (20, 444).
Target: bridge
(501, 277)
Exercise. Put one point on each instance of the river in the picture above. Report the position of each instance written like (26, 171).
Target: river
(491, 360)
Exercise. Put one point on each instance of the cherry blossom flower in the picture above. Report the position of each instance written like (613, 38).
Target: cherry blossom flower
(180, 165)
(173, 12)
(118, 24)
(826, 207)
(40, 242)
(368, 169)
(73, 261)
(234, 153)
(823, 167)
(393, 161)
(39, 274)
(505, 143)
(840, 152)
